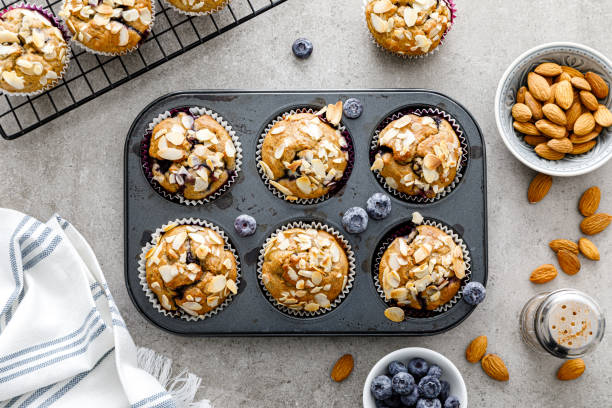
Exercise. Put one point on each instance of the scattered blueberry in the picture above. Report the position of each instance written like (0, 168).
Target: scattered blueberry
(474, 293)
(378, 206)
(245, 225)
(445, 391)
(428, 403)
(396, 367)
(353, 108)
(429, 387)
(302, 48)
(381, 387)
(418, 367)
(355, 220)
(434, 371)
(411, 399)
(402, 383)
(394, 402)
(452, 402)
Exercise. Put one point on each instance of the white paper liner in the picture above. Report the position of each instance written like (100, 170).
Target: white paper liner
(453, 9)
(350, 255)
(264, 176)
(114, 54)
(142, 272)
(198, 111)
(466, 258)
(458, 174)
(220, 7)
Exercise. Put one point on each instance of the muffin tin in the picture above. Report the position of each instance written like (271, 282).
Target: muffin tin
(250, 312)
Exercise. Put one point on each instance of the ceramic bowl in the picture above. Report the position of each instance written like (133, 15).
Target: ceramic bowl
(574, 55)
(450, 372)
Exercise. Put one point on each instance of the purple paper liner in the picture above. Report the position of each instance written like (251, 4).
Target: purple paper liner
(48, 15)
(404, 229)
(350, 149)
(422, 110)
(147, 165)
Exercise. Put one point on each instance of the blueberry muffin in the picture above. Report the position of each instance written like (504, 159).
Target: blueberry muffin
(189, 268)
(422, 272)
(418, 155)
(191, 156)
(408, 27)
(304, 269)
(303, 156)
(33, 53)
(198, 6)
(108, 26)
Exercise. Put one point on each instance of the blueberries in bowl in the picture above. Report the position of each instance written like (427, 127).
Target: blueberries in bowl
(378, 206)
(402, 383)
(418, 367)
(452, 402)
(394, 402)
(396, 367)
(429, 387)
(302, 48)
(353, 108)
(434, 371)
(474, 293)
(381, 387)
(245, 225)
(428, 403)
(355, 220)
(411, 399)
(445, 391)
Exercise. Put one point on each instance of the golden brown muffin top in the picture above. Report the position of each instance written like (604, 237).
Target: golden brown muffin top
(198, 6)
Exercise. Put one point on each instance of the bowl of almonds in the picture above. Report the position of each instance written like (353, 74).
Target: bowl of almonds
(552, 109)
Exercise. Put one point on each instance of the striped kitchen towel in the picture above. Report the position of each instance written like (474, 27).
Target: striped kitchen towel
(63, 342)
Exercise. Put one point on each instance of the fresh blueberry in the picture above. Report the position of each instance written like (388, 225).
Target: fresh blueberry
(394, 402)
(353, 108)
(411, 399)
(474, 293)
(418, 367)
(445, 391)
(355, 220)
(381, 387)
(396, 367)
(245, 225)
(402, 383)
(302, 48)
(429, 387)
(434, 371)
(428, 403)
(452, 402)
(378, 206)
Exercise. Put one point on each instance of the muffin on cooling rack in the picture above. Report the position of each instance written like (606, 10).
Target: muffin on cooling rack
(198, 7)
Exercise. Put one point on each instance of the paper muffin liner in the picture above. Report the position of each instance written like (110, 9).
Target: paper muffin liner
(404, 229)
(453, 10)
(65, 34)
(337, 187)
(143, 37)
(146, 160)
(461, 165)
(350, 255)
(220, 7)
(142, 272)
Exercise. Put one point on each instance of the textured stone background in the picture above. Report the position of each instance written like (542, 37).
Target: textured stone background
(73, 166)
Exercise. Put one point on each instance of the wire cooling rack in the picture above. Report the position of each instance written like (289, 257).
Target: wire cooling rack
(90, 75)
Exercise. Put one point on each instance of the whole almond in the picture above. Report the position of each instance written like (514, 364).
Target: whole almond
(559, 244)
(563, 77)
(589, 100)
(495, 368)
(520, 95)
(561, 145)
(547, 153)
(564, 94)
(526, 128)
(584, 124)
(544, 273)
(477, 349)
(538, 86)
(571, 369)
(603, 116)
(534, 106)
(580, 83)
(598, 85)
(572, 72)
(551, 129)
(343, 368)
(581, 148)
(595, 223)
(588, 249)
(572, 114)
(539, 187)
(554, 113)
(589, 202)
(568, 261)
(395, 314)
(535, 140)
(521, 112)
(586, 138)
(553, 87)
(548, 69)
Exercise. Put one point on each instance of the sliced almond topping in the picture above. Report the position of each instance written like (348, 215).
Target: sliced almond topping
(378, 164)
(267, 170)
(170, 154)
(230, 149)
(322, 300)
(168, 272)
(212, 301)
(277, 130)
(410, 16)
(123, 37)
(231, 285)
(334, 112)
(281, 188)
(382, 6)
(316, 277)
(217, 284)
(380, 25)
(431, 161)
(395, 314)
(303, 183)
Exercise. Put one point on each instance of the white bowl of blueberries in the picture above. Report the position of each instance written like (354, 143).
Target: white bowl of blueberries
(414, 377)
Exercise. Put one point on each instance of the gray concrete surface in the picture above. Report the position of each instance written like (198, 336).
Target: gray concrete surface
(73, 166)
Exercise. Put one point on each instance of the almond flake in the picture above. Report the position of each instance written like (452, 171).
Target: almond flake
(178, 241)
(123, 36)
(231, 285)
(171, 154)
(410, 16)
(267, 170)
(382, 6)
(230, 149)
(277, 129)
(378, 164)
(322, 300)
(278, 153)
(281, 188)
(303, 183)
(402, 122)
(380, 25)
(217, 284)
(168, 272)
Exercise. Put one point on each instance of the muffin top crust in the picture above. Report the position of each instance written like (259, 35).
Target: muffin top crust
(198, 6)
(408, 27)
(304, 157)
(108, 26)
(33, 51)
(423, 270)
(418, 155)
(304, 269)
(192, 156)
(189, 268)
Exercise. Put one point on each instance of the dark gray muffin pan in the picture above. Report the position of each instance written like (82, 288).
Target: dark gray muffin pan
(250, 313)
